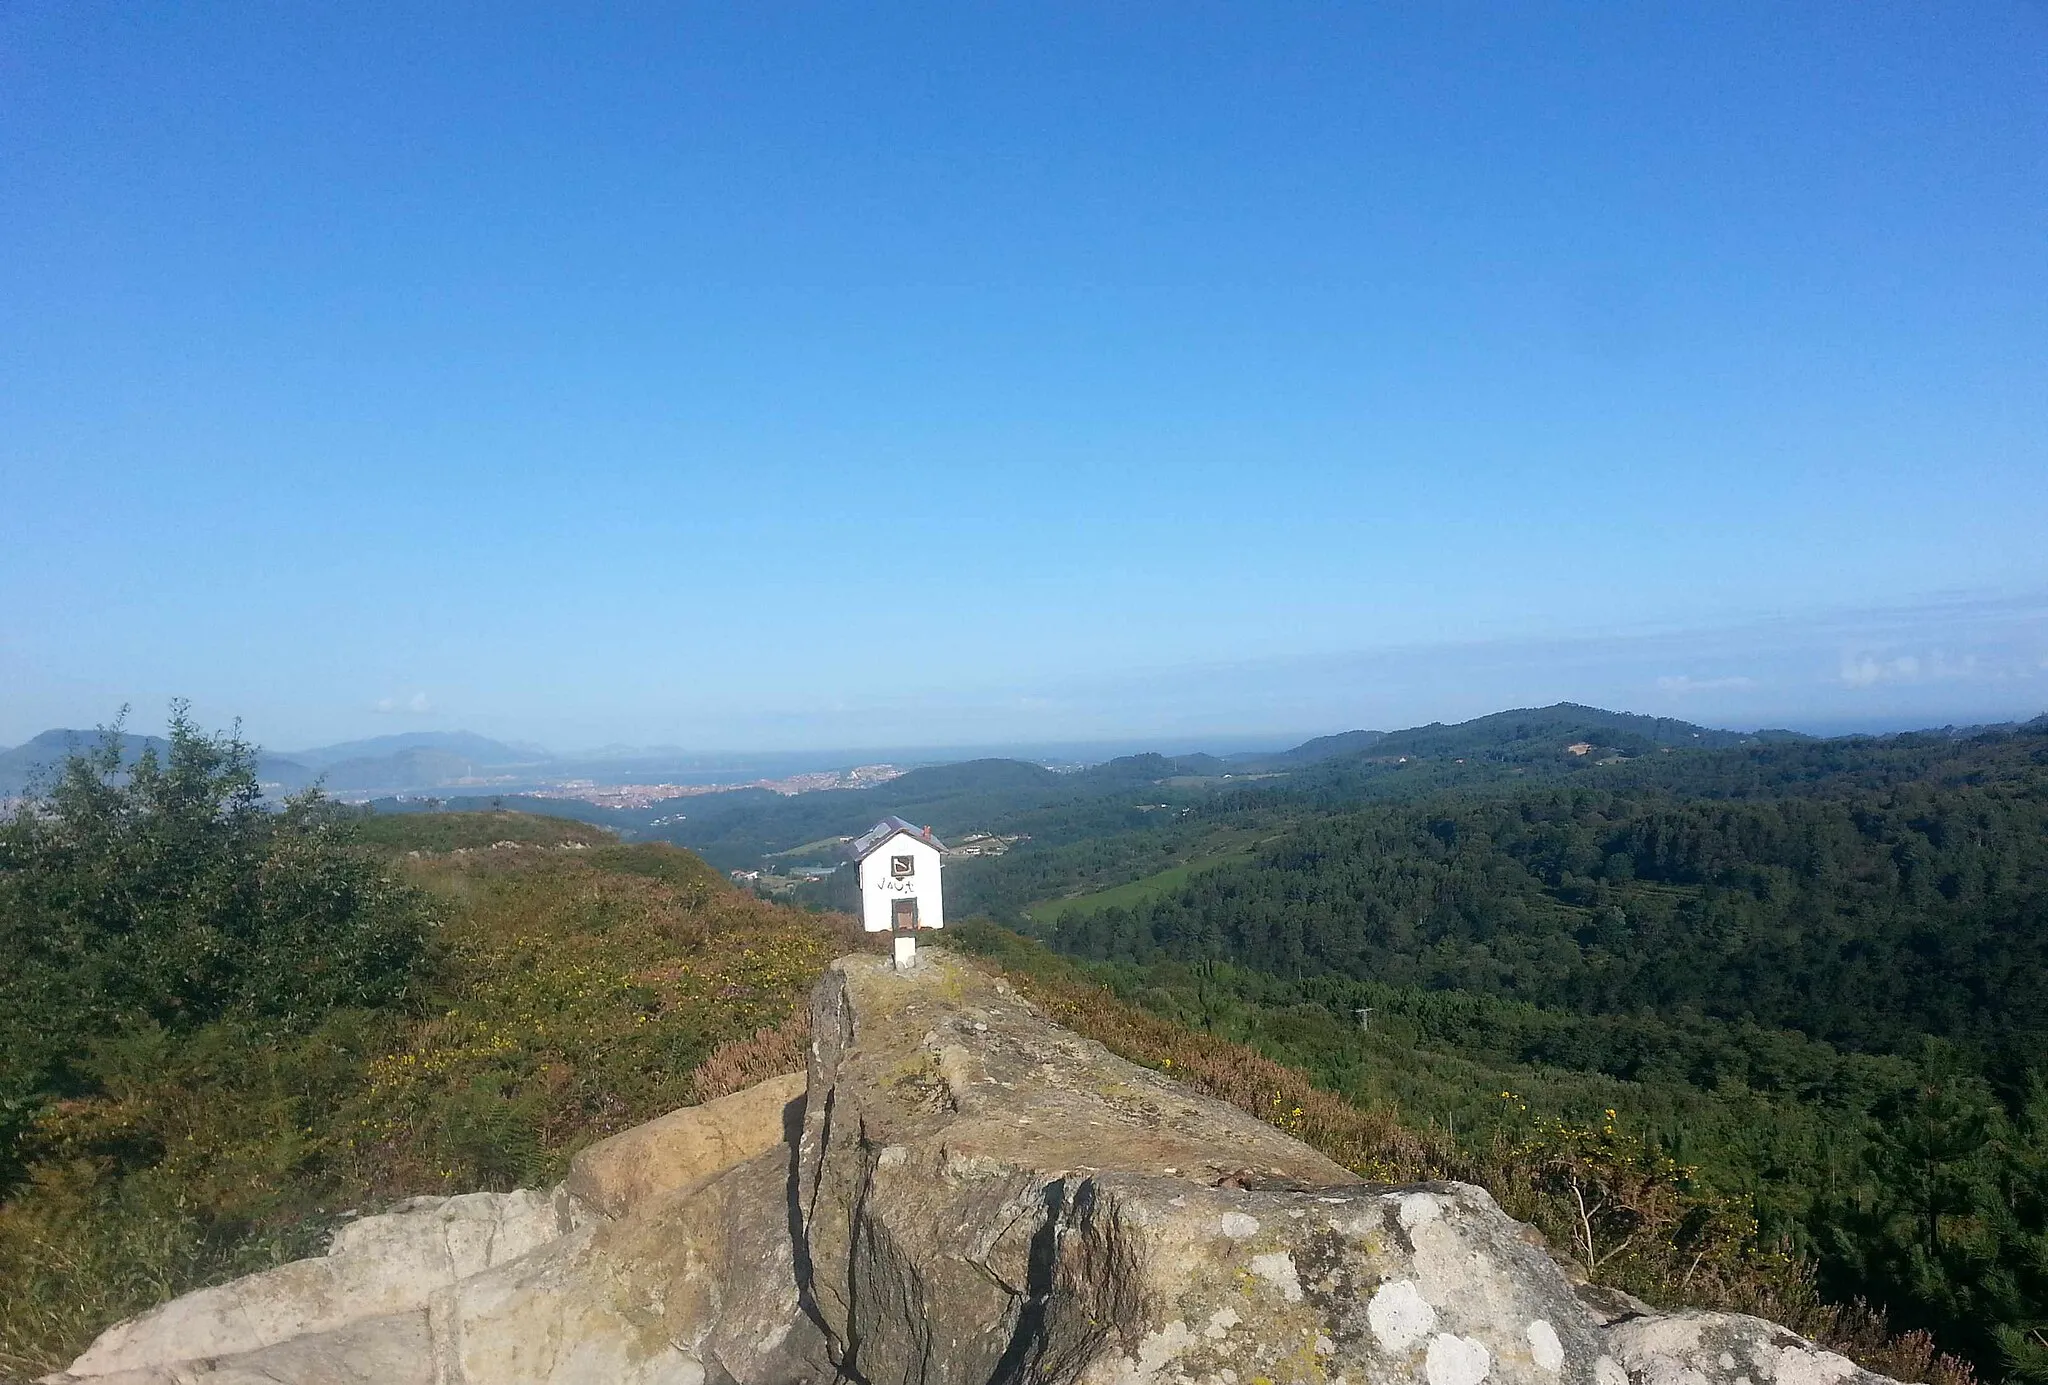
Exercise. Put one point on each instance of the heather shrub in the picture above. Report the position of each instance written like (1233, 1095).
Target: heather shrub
(738, 1064)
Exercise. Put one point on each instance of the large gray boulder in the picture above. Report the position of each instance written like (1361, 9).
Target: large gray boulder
(959, 1193)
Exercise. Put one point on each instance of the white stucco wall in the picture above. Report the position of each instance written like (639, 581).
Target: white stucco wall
(879, 889)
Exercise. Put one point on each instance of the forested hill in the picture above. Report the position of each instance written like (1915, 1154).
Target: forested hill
(1530, 734)
(1140, 794)
(1868, 917)
(742, 826)
(1112, 797)
(1816, 969)
(1574, 744)
(1869, 891)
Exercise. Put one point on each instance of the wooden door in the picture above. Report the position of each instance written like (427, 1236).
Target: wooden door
(904, 915)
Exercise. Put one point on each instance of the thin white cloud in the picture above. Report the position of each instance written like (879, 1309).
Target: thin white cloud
(417, 704)
(1866, 671)
(1869, 670)
(1681, 683)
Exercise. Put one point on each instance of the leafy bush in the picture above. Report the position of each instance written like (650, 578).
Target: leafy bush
(738, 1064)
(168, 897)
(224, 1028)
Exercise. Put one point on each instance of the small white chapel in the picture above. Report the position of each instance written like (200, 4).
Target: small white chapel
(899, 883)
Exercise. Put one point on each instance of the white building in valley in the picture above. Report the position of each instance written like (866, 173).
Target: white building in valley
(899, 882)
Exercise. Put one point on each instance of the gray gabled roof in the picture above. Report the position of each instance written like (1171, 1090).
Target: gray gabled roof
(870, 841)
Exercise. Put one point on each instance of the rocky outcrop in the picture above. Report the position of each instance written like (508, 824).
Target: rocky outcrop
(683, 1148)
(957, 1192)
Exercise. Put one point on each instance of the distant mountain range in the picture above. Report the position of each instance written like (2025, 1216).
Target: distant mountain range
(436, 761)
(473, 749)
(741, 827)
(39, 758)
(415, 760)
(418, 760)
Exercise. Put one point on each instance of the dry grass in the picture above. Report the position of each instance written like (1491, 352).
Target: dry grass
(1860, 1333)
(738, 1064)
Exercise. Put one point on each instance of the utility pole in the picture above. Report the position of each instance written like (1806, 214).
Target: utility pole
(1364, 1013)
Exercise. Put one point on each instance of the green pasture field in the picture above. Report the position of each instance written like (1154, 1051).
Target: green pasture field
(1132, 893)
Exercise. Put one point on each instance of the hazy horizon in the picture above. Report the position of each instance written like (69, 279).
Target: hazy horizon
(805, 379)
(1957, 662)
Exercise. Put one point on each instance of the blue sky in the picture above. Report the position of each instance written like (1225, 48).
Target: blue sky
(584, 376)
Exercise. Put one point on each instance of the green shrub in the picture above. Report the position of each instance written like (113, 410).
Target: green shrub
(225, 1025)
(167, 896)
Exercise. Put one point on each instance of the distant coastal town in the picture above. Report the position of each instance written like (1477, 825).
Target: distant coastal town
(646, 795)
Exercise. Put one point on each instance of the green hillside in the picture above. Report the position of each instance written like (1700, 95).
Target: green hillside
(1776, 1025)
(1537, 732)
(1817, 971)
(474, 831)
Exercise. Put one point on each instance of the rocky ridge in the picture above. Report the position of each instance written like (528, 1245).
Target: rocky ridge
(957, 1192)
